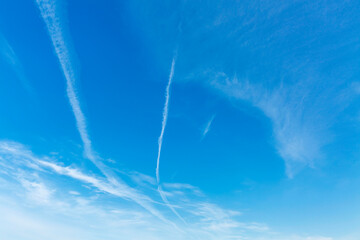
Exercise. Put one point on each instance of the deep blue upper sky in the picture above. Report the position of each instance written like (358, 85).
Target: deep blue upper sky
(257, 138)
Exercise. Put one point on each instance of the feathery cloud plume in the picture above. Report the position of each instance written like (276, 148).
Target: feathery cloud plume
(38, 182)
(20, 155)
(119, 190)
(299, 117)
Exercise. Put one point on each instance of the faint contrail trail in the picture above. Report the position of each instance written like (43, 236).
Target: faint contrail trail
(7, 52)
(53, 24)
(48, 12)
(166, 201)
(165, 116)
(160, 140)
(207, 127)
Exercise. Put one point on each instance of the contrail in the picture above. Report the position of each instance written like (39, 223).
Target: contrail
(48, 12)
(53, 24)
(164, 120)
(160, 140)
(207, 127)
(7, 52)
(166, 201)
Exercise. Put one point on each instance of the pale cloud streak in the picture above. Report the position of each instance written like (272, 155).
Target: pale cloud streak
(85, 209)
(164, 120)
(119, 190)
(113, 184)
(22, 156)
(300, 118)
(207, 127)
(289, 62)
(9, 55)
(160, 140)
(37, 191)
(49, 13)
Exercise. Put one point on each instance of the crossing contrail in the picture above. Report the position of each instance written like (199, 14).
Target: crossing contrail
(54, 26)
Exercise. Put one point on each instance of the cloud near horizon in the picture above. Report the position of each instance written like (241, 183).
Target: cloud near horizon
(48, 185)
(33, 175)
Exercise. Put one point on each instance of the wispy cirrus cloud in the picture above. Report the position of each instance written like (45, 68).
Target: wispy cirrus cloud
(37, 191)
(43, 179)
(300, 116)
(21, 155)
(118, 190)
(290, 64)
(9, 55)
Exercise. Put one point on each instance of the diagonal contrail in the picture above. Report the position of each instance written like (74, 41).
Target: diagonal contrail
(166, 201)
(48, 12)
(7, 52)
(160, 140)
(207, 127)
(54, 27)
(164, 120)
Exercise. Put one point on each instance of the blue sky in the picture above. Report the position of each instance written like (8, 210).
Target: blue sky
(179, 119)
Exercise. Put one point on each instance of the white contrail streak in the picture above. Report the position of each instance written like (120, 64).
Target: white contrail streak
(166, 201)
(207, 127)
(48, 13)
(164, 120)
(7, 52)
(160, 140)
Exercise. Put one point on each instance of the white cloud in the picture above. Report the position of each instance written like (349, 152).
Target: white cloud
(300, 117)
(74, 193)
(37, 191)
(181, 187)
(142, 179)
(21, 156)
(118, 189)
(100, 217)
(206, 220)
